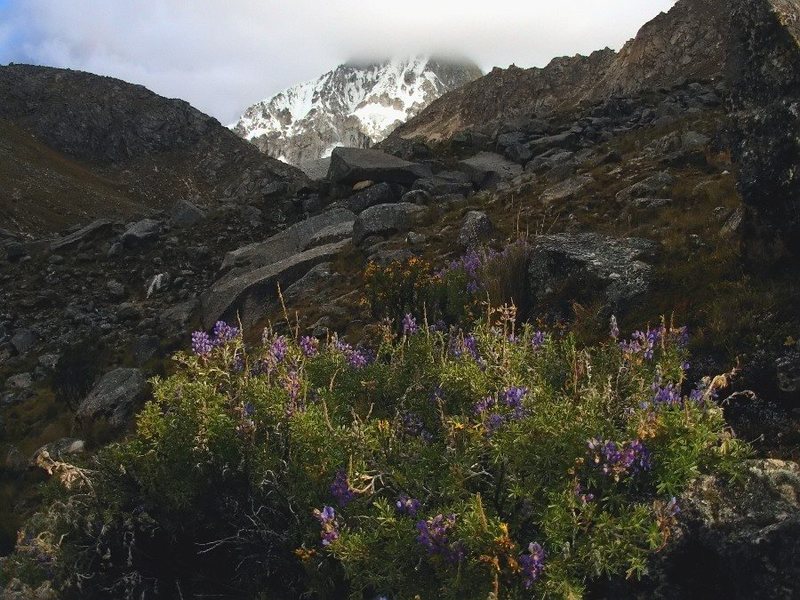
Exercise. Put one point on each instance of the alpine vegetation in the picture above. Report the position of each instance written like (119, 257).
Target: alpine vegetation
(499, 462)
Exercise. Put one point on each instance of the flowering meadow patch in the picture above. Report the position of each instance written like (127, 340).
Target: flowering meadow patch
(443, 464)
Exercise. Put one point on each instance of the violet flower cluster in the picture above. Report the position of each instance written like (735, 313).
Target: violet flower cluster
(618, 460)
(330, 528)
(532, 564)
(538, 340)
(507, 408)
(434, 536)
(465, 345)
(221, 334)
(309, 346)
(341, 490)
(405, 505)
(410, 326)
(356, 357)
(413, 426)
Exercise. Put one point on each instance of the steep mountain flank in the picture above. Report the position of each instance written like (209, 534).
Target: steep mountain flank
(353, 105)
(686, 43)
(144, 151)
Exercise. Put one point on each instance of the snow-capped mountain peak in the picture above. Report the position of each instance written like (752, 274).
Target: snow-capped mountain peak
(352, 105)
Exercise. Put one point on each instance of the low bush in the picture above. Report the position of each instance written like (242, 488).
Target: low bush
(502, 462)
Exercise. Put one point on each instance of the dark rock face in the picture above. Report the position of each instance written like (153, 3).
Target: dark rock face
(739, 541)
(764, 69)
(589, 266)
(114, 398)
(351, 165)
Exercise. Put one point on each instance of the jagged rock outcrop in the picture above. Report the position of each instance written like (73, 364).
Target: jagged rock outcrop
(764, 69)
(353, 105)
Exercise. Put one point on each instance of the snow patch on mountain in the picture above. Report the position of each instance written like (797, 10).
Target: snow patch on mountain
(352, 105)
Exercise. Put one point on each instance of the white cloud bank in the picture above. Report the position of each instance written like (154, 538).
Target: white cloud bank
(222, 55)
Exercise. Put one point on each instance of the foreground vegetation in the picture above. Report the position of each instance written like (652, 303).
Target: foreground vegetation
(498, 462)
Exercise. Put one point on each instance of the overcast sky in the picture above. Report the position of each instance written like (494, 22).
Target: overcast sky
(223, 55)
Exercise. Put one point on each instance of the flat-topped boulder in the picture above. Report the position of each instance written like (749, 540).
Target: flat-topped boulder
(351, 165)
(248, 293)
(487, 169)
(288, 242)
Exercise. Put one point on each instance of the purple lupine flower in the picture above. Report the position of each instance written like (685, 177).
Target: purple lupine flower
(223, 333)
(513, 396)
(330, 528)
(682, 336)
(358, 359)
(481, 406)
(667, 395)
(248, 409)
(410, 326)
(471, 346)
(341, 490)
(619, 460)
(494, 422)
(539, 338)
(434, 536)
(614, 328)
(201, 343)
(278, 348)
(532, 564)
(406, 505)
(309, 346)
(413, 426)
(513, 399)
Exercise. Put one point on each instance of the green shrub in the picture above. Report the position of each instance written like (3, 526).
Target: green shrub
(503, 461)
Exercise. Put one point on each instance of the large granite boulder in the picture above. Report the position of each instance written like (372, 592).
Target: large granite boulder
(113, 399)
(247, 294)
(380, 193)
(351, 165)
(385, 219)
(739, 541)
(589, 267)
(290, 241)
(764, 73)
(476, 228)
